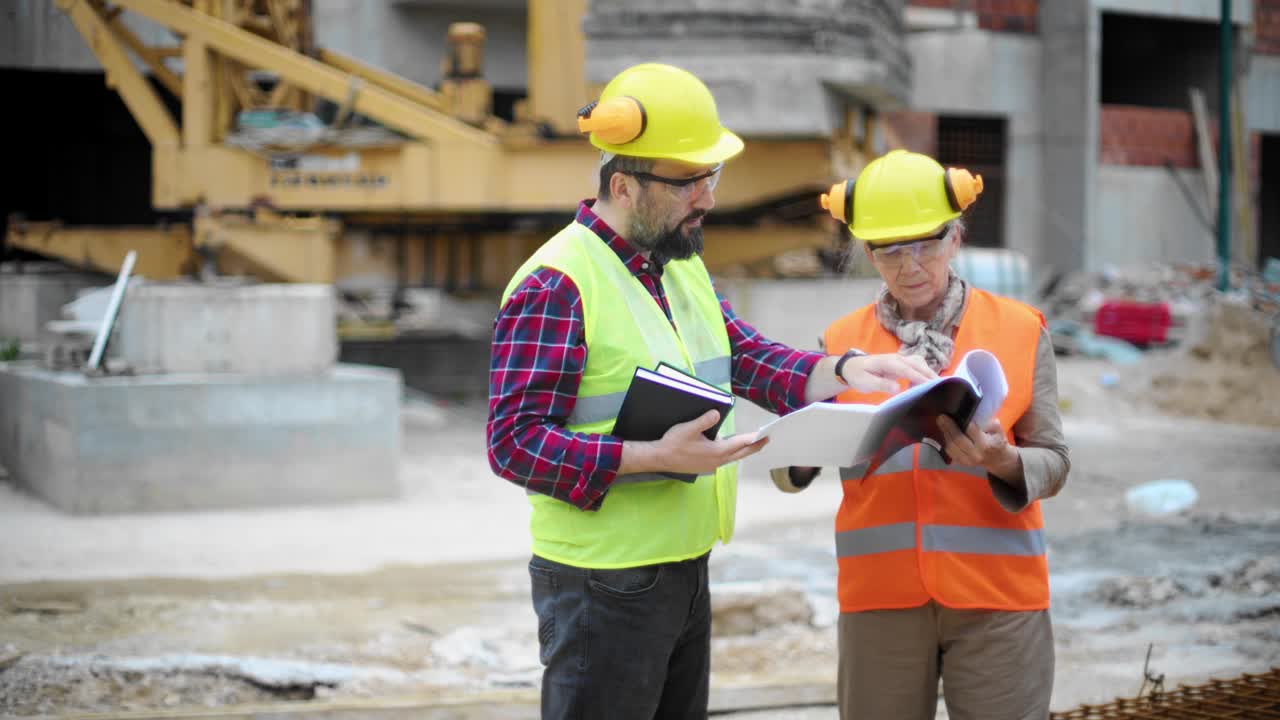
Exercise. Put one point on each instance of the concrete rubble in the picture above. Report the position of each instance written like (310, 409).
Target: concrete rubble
(1222, 371)
(1219, 358)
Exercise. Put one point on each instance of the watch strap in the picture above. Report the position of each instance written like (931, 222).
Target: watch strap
(850, 353)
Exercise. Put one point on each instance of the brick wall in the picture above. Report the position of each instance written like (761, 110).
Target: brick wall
(1266, 26)
(911, 130)
(1129, 135)
(998, 15)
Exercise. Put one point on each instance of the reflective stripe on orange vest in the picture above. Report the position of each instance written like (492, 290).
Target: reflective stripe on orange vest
(917, 528)
(939, 538)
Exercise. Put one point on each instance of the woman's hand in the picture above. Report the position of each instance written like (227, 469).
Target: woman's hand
(986, 447)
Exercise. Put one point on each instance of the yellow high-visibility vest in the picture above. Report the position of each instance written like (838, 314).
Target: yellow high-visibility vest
(644, 519)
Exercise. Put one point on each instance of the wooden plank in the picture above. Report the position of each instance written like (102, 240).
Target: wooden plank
(729, 700)
(494, 705)
(1245, 242)
(1204, 144)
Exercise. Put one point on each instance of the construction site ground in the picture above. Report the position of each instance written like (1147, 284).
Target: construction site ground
(399, 606)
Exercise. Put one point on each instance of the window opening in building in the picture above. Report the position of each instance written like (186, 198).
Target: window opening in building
(1188, 57)
(979, 144)
(1268, 191)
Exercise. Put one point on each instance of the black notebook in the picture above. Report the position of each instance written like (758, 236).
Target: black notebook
(656, 400)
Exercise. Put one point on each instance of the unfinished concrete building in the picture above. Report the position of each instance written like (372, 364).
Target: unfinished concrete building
(1078, 114)
(1081, 113)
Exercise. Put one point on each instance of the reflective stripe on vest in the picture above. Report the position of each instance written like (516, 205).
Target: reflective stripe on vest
(587, 410)
(644, 518)
(939, 538)
(917, 528)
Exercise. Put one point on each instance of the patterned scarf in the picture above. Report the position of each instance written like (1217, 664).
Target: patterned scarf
(931, 340)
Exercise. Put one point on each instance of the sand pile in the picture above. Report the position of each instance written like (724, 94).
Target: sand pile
(1222, 371)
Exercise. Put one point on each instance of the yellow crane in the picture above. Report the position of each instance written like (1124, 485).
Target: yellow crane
(469, 194)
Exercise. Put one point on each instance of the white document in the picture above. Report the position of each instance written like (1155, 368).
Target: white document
(847, 435)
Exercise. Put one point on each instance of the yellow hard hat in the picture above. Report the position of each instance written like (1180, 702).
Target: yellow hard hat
(658, 111)
(901, 196)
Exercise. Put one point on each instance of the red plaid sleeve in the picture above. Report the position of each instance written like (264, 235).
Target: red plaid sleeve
(539, 353)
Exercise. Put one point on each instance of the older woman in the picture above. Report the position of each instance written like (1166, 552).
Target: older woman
(942, 568)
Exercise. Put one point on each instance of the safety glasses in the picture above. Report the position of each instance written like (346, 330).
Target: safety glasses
(922, 250)
(684, 187)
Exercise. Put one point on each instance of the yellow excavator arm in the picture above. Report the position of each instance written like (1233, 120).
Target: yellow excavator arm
(436, 160)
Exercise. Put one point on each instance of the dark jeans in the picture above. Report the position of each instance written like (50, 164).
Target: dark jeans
(622, 644)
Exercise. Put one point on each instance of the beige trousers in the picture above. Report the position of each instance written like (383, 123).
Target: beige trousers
(994, 665)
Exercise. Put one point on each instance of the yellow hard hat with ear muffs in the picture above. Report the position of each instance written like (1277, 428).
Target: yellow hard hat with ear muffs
(658, 111)
(901, 196)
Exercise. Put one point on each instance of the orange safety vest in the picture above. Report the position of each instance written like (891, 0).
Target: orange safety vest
(917, 528)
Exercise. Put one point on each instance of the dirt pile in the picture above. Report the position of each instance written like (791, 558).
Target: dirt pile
(1259, 577)
(748, 608)
(1140, 592)
(1223, 371)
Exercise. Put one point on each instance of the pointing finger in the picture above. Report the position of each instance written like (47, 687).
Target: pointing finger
(921, 366)
(897, 366)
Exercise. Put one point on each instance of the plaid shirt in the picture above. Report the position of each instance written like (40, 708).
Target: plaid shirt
(540, 351)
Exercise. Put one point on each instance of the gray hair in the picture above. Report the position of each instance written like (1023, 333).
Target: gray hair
(611, 164)
(956, 228)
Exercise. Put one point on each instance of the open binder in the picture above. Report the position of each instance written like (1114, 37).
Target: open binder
(864, 436)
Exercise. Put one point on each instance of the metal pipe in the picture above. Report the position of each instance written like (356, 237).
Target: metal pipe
(113, 307)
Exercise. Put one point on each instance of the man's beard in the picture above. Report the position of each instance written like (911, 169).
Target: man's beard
(665, 244)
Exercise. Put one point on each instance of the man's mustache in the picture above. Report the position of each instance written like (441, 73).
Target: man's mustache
(695, 215)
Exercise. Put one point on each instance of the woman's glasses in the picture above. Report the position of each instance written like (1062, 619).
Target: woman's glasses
(922, 250)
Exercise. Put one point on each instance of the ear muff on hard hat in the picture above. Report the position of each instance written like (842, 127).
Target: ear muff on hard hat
(907, 202)
(963, 188)
(617, 121)
(839, 201)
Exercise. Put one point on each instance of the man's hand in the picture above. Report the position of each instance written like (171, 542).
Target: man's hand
(880, 373)
(684, 449)
(986, 447)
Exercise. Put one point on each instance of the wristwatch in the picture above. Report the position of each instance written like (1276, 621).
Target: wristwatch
(850, 353)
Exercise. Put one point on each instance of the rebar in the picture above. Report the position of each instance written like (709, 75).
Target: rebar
(1247, 697)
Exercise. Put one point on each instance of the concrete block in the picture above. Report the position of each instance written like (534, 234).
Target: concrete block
(796, 312)
(188, 442)
(450, 366)
(251, 329)
(1138, 224)
(29, 300)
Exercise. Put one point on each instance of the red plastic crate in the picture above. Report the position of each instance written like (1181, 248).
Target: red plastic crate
(1139, 323)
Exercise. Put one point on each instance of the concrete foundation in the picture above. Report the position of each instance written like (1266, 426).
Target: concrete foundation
(31, 299)
(254, 329)
(186, 442)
